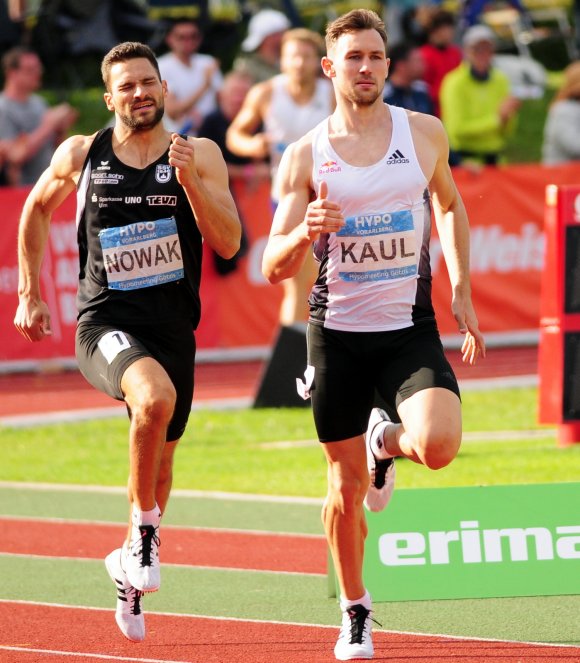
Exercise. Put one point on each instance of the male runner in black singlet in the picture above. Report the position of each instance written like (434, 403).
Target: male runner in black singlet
(146, 198)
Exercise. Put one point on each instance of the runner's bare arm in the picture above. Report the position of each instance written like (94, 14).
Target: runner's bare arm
(300, 217)
(32, 316)
(453, 227)
(202, 172)
(241, 137)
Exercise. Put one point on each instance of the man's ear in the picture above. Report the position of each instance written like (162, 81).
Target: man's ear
(327, 67)
(108, 97)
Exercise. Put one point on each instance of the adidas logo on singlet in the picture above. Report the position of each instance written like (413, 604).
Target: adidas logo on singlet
(397, 157)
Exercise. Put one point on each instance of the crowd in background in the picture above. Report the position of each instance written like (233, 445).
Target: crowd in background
(442, 63)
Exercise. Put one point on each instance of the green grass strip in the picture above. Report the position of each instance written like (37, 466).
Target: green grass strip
(241, 451)
(292, 598)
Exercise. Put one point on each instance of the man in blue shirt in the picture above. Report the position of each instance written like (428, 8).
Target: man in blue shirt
(404, 86)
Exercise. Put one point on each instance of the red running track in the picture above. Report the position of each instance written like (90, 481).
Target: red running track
(55, 634)
(42, 633)
(35, 393)
(189, 546)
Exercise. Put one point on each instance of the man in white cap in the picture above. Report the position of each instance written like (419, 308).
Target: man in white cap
(477, 106)
(262, 46)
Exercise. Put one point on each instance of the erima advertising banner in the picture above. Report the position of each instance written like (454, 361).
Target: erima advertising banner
(483, 542)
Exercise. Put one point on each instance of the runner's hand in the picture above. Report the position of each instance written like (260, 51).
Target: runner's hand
(182, 158)
(322, 215)
(33, 320)
(474, 344)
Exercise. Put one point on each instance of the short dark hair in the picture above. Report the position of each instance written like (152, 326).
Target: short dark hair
(11, 59)
(128, 50)
(355, 21)
(399, 53)
(439, 19)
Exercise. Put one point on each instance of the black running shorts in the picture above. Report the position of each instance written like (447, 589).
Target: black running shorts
(104, 352)
(354, 371)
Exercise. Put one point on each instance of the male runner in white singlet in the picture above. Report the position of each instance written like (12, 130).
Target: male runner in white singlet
(361, 186)
(145, 200)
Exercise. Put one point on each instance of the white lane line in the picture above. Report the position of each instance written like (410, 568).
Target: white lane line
(301, 625)
(98, 657)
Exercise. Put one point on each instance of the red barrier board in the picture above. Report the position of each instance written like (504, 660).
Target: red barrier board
(240, 310)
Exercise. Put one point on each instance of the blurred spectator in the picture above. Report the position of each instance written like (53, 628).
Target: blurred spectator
(471, 10)
(22, 112)
(11, 17)
(405, 86)
(261, 48)
(288, 105)
(562, 129)
(440, 54)
(193, 79)
(214, 126)
(407, 19)
(477, 107)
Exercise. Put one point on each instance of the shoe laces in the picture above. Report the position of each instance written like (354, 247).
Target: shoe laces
(131, 596)
(357, 630)
(380, 473)
(143, 546)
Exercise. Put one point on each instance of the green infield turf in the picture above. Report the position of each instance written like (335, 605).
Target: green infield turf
(274, 451)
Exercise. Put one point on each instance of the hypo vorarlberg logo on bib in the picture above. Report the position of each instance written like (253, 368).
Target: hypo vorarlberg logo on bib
(142, 254)
(163, 172)
(378, 246)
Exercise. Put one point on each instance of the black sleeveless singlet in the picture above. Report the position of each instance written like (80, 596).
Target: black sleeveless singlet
(139, 245)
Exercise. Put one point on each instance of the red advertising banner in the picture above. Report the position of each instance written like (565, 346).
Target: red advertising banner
(240, 310)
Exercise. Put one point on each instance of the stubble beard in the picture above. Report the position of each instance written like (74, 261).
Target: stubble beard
(142, 124)
(366, 98)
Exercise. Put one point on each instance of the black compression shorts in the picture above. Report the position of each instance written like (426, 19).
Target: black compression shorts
(354, 371)
(105, 351)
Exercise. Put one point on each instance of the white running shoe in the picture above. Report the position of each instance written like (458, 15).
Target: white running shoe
(128, 615)
(355, 637)
(141, 557)
(381, 471)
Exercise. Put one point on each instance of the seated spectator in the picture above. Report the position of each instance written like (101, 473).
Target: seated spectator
(24, 113)
(440, 54)
(262, 46)
(193, 78)
(405, 86)
(561, 134)
(477, 106)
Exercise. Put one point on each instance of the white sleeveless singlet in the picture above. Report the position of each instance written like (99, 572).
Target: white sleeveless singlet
(286, 121)
(374, 274)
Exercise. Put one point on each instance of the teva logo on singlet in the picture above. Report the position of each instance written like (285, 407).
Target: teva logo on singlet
(329, 167)
(142, 254)
(472, 545)
(382, 247)
(397, 157)
(162, 200)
